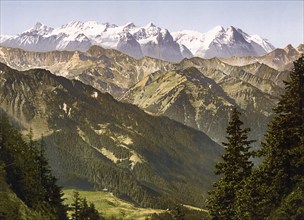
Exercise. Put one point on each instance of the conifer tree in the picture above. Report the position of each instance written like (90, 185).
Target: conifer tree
(51, 191)
(234, 168)
(28, 174)
(93, 213)
(82, 211)
(283, 149)
(76, 206)
(88, 212)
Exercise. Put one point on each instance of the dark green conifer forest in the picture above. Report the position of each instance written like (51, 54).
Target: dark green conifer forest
(25, 169)
(273, 189)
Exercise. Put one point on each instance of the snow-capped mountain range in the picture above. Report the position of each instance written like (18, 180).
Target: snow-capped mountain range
(148, 40)
(221, 42)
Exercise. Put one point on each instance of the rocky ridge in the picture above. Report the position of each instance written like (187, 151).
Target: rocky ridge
(197, 92)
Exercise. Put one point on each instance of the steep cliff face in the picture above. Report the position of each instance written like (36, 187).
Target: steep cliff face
(95, 141)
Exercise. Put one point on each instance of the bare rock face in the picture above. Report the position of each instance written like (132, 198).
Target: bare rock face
(128, 45)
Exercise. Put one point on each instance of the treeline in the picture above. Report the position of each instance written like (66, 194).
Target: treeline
(274, 189)
(99, 173)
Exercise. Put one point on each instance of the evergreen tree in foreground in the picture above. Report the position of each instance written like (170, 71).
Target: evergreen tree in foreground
(283, 150)
(234, 168)
(28, 174)
(282, 170)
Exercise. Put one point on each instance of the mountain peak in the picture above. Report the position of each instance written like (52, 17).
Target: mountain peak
(76, 24)
(291, 51)
(38, 25)
(231, 28)
(234, 35)
(109, 25)
(300, 48)
(91, 23)
(38, 28)
(289, 47)
(217, 29)
(150, 24)
(128, 26)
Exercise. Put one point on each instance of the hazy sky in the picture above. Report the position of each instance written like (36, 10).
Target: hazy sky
(279, 21)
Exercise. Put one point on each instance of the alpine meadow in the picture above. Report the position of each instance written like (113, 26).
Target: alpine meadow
(105, 115)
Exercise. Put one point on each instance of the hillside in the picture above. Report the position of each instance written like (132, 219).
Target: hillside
(93, 141)
(201, 93)
(188, 101)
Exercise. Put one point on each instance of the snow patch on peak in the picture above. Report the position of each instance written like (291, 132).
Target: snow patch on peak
(91, 23)
(217, 29)
(77, 24)
(231, 28)
(150, 24)
(193, 40)
(264, 43)
(38, 28)
(129, 26)
(125, 36)
(148, 40)
(215, 32)
(108, 25)
(221, 42)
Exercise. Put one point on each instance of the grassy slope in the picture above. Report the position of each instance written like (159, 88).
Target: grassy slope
(109, 205)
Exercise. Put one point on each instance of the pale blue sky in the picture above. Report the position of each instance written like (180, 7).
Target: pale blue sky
(279, 21)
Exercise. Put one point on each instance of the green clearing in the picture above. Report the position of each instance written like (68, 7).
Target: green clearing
(110, 206)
